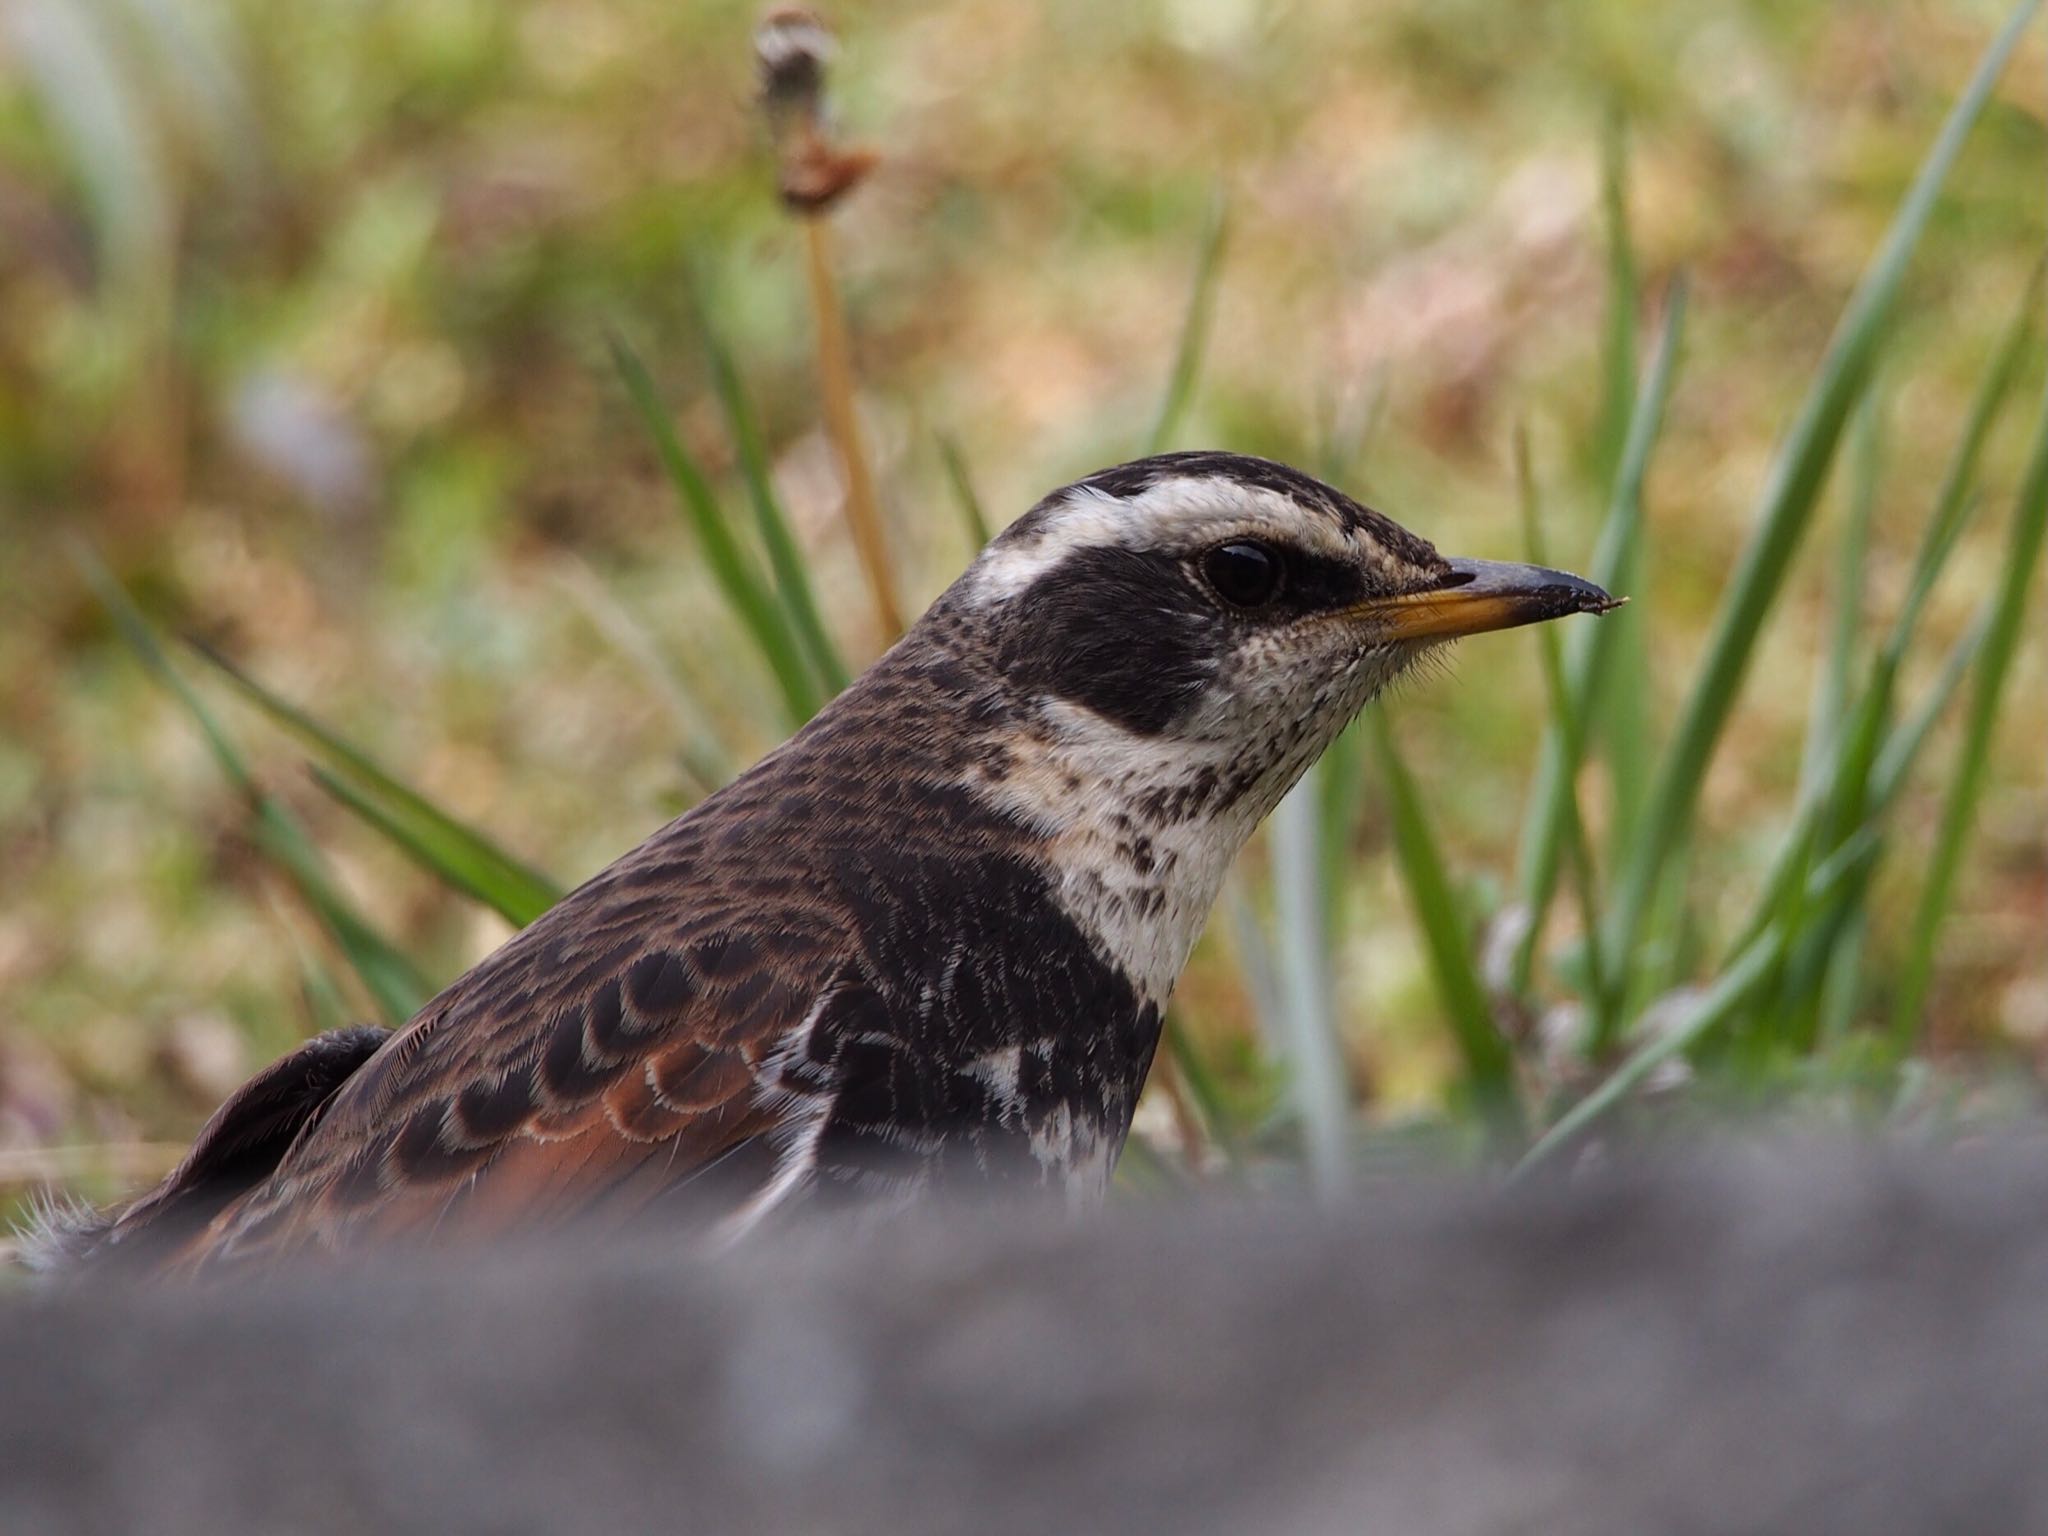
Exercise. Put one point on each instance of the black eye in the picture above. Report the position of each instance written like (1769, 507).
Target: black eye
(1244, 575)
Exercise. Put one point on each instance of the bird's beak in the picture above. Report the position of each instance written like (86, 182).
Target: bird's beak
(1478, 595)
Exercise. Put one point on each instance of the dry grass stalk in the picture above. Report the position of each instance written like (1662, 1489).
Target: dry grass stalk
(793, 47)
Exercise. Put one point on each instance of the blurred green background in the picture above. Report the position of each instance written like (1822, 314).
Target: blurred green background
(303, 322)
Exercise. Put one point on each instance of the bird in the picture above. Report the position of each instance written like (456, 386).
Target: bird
(923, 946)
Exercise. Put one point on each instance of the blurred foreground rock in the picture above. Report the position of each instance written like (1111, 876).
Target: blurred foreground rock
(1792, 1338)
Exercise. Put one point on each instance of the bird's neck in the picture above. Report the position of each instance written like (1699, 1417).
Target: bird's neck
(1136, 844)
(1134, 835)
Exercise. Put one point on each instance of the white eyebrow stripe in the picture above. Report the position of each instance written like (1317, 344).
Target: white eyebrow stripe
(1184, 510)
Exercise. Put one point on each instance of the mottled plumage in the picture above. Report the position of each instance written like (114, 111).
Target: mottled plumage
(925, 942)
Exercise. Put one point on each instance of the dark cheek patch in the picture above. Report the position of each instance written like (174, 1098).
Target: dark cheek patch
(1123, 632)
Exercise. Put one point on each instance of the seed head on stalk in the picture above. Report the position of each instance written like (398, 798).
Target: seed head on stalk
(793, 47)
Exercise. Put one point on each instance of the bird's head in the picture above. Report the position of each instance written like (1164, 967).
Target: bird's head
(1210, 609)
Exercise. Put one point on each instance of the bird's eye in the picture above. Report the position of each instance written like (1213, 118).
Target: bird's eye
(1244, 575)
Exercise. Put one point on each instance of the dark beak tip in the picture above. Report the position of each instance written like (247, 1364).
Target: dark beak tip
(1592, 599)
(1560, 591)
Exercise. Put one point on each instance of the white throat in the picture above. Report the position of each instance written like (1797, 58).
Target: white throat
(1137, 877)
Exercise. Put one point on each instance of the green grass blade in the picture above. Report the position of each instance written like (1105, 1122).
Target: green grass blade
(141, 638)
(1345, 795)
(1577, 850)
(1254, 958)
(1956, 500)
(1953, 505)
(519, 903)
(1624, 300)
(392, 980)
(1204, 1093)
(2001, 642)
(704, 755)
(962, 484)
(1902, 748)
(1864, 769)
(1856, 788)
(326, 1008)
(1715, 1007)
(1316, 1073)
(1615, 554)
(1194, 329)
(394, 983)
(785, 560)
(1789, 1014)
(1622, 725)
(1787, 508)
(729, 567)
(1489, 1063)
(1719, 1003)
(445, 847)
(1346, 437)
(1876, 763)
(1830, 709)
(1841, 987)
(1625, 721)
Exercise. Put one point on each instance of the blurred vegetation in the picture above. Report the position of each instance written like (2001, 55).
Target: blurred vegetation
(378, 346)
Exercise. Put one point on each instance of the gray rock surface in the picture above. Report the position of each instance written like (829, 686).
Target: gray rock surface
(1792, 1338)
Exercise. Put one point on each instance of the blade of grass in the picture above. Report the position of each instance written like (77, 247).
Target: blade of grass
(1829, 714)
(703, 752)
(1814, 983)
(394, 983)
(1954, 504)
(1623, 727)
(1787, 1012)
(1902, 748)
(1345, 795)
(1615, 553)
(729, 567)
(1855, 789)
(1869, 756)
(1624, 300)
(100, 126)
(1719, 1003)
(1956, 501)
(1864, 768)
(326, 1008)
(1254, 958)
(963, 492)
(1197, 1095)
(392, 980)
(1714, 1007)
(842, 425)
(1352, 425)
(1194, 328)
(1841, 987)
(1577, 850)
(1790, 1016)
(445, 847)
(1787, 507)
(1489, 1063)
(2001, 641)
(1622, 723)
(517, 905)
(1316, 1076)
(785, 560)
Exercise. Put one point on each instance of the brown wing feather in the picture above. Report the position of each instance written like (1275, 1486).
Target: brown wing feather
(600, 1061)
